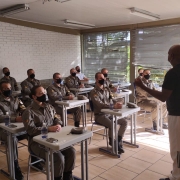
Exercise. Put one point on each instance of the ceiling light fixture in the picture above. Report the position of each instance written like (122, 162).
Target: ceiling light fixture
(14, 9)
(77, 24)
(144, 14)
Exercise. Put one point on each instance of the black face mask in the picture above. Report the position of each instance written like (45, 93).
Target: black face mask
(73, 74)
(140, 74)
(147, 76)
(105, 75)
(101, 81)
(78, 70)
(32, 76)
(7, 73)
(58, 81)
(42, 98)
(7, 93)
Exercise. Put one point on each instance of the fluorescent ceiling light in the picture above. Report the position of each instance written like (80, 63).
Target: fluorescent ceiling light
(144, 14)
(78, 24)
(14, 9)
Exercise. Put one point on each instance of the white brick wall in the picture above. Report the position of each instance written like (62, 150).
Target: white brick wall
(46, 52)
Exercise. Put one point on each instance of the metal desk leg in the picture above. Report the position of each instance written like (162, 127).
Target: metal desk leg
(83, 115)
(65, 111)
(158, 116)
(86, 155)
(52, 164)
(133, 132)
(132, 129)
(47, 165)
(63, 115)
(116, 136)
(112, 152)
(82, 161)
(10, 154)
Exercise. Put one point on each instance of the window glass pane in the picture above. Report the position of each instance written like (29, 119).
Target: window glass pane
(107, 50)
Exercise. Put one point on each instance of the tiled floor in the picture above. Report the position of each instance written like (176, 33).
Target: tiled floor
(150, 161)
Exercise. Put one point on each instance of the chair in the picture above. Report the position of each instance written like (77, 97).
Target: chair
(31, 164)
(142, 111)
(97, 124)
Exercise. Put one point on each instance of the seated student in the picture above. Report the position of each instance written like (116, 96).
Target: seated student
(8, 78)
(107, 82)
(27, 85)
(14, 106)
(36, 114)
(57, 91)
(140, 72)
(100, 97)
(80, 75)
(148, 104)
(73, 81)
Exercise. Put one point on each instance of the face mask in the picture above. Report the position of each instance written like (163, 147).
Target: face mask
(105, 75)
(78, 70)
(7, 73)
(58, 81)
(7, 93)
(147, 76)
(140, 74)
(32, 76)
(101, 81)
(73, 74)
(42, 98)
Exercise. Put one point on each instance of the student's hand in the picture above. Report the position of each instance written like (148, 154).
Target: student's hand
(118, 105)
(138, 82)
(71, 97)
(55, 128)
(81, 86)
(18, 119)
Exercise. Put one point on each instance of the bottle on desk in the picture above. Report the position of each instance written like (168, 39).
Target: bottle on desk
(118, 90)
(44, 131)
(111, 105)
(7, 119)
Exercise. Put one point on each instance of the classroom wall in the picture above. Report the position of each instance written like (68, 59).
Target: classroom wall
(46, 52)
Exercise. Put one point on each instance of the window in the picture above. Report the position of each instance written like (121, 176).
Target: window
(107, 50)
(150, 49)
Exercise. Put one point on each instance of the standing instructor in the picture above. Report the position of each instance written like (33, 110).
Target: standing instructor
(171, 94)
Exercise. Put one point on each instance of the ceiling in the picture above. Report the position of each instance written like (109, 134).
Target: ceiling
(101, 13)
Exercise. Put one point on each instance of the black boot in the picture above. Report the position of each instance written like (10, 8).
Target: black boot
(18, 173)
(58, 178)
(68, 175)
(76, 123)
(154, 125)
(37, 165)
(120, 145)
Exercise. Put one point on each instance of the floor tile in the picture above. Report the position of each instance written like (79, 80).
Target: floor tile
(117, 173)
(149, 175)
(93, 150)
(167, 158)
(134, 165)
(105, 161)
(2, 177)
(98, 178)
(78, 158)
(161, 167)
(147, 156)
(93, 171)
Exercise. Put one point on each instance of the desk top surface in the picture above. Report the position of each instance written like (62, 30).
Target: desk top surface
(81, 89)
(64, 140)
(73, 102)
(20, 128)
(125, 111)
